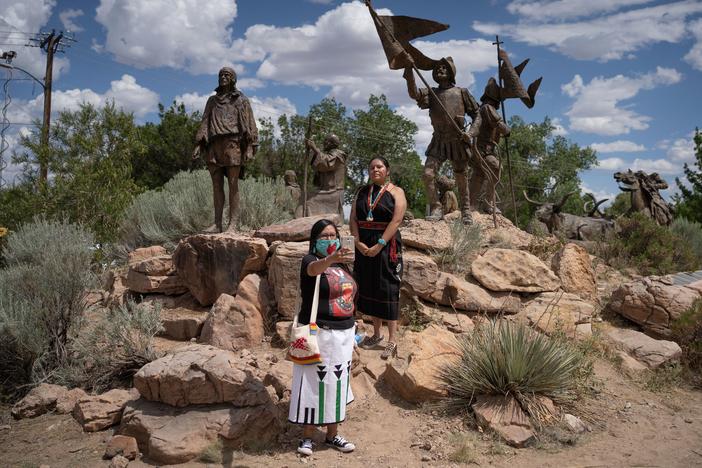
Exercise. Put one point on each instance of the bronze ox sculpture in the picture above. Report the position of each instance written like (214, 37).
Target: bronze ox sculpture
(568, 225)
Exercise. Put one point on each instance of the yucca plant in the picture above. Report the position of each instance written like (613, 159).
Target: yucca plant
(508, 358)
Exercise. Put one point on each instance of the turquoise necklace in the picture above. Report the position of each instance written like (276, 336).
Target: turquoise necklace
(372, 202)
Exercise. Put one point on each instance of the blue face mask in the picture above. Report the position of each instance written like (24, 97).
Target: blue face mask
(326, 247)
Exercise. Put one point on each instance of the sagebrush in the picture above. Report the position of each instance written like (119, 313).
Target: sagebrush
(42, 291)
(184, 206)
(687, 332)
(464, 241)
(691, 231)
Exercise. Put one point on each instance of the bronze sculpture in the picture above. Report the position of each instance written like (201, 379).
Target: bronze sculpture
(227, 139)
(292, 188)
(645, 196)
(449, 202)
(329, 166)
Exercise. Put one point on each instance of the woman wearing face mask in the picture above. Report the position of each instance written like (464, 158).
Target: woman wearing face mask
(376, 215)
(321, 392)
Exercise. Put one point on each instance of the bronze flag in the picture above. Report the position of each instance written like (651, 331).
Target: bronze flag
(395, 32)
(512, 86)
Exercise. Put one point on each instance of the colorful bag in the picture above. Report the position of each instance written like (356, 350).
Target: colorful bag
(304, 348)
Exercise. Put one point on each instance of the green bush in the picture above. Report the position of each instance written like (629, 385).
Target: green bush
(41, 298)
(687, 332)
(502, 357)
(464, 241)
(691, 231)
(642, 244)
(184, 206)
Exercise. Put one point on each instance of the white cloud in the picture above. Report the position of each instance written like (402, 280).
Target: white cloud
(67, 17)
(193, 102)
(619, 146)
(662, 166)
(421, 118)
(694, 56)
(595, 108)
(342, 50)
(559, 129)
(682, 150)
(601, 38)
(566, 9)
(189, 34)
(21, 19)
(610, 164)
(599, 194)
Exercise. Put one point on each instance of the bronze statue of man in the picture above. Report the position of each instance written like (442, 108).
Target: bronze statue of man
(449, 202)
(227, 139)
(292, 188)
(447, 143)
(329, 166)
(487, 129)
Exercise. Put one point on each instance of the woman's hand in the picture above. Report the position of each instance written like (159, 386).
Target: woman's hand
(342, 256)
(361, 247)
(373, 251)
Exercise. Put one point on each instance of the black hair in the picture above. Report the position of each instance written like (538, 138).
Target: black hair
(317, 229)
(382, 160)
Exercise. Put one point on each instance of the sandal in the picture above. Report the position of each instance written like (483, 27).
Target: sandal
(369, 342)
(390, 350)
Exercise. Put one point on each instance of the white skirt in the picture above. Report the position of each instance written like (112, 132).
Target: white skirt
(321, 392)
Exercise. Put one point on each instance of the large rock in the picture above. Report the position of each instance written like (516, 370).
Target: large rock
(513, 270)
(505, 233)
(236, 323)
(503, 415)
(453, 291)
(200, 374)
(122, 445)
(45, 398)
(169, 435)
(295, 230)
(161, 265)
(426, 235)
(420, 272)
(551, 312)
(145, 284)
(416, 379)
(181, 316)
(97, 412)
(284, 276)
(643, 348)
(213, 264)
(653, 302)
(116, 285)
(573, 266)
(279, 376)
(145, 253)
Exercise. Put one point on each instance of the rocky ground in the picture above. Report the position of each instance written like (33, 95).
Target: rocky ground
(222, 383)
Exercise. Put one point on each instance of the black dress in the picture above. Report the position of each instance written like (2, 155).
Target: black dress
(378, 277)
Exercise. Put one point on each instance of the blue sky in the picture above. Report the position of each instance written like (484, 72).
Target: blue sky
(620, 76)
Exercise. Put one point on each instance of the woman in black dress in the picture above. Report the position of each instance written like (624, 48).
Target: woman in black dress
(376, 214)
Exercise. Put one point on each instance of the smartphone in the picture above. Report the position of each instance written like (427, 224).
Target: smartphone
(348, 242)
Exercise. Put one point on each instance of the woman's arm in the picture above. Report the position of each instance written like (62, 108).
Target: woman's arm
(394, 224)
(319, 266)
(353, 227)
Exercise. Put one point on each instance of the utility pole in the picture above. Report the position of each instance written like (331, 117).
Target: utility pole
(51, 43)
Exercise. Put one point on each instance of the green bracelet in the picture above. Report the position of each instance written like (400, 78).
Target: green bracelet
(382, 242)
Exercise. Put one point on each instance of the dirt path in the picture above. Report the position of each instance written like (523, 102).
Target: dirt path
(632, 427)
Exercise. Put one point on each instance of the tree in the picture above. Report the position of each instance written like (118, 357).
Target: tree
(169, 145)
(543, 165)
(90, 152)
(688, 204)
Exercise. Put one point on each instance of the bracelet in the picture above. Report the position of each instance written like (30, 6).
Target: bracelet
(382, 242)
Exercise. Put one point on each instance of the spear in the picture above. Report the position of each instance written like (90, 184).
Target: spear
(502, 106)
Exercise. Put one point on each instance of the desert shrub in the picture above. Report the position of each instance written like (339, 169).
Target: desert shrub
(691, 231)
(464, 241)
(184, 206)
(502, 357)
(110, 351)
(687, 332)
(651, 249)
(41, 298)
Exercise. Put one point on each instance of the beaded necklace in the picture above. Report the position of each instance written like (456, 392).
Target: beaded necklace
(372, 202)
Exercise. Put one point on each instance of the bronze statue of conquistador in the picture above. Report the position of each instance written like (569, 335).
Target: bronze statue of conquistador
(227, 139)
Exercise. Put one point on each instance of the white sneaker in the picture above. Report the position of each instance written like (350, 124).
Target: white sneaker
(305, 447)
(341, 444)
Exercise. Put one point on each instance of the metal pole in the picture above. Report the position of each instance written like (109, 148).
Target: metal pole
(502, 105)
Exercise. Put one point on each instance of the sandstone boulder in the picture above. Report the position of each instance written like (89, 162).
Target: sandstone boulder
(550, 312)
(122, 445)
(506, 232)
(145, 253)
(161, 265)
(118, 462)
(279, 376)
(145, 284)
(181, 316)
(281, 334)
(420, 273)
(513, 270)
(236, 323)
(169, 435)
(653, 302)
(295, 230)
(651, 352)
(450, 290)
(116, 285)
(426, 235)
(284, 276)
(573, 267)
(97, 412)
(416, 378)
(213, 264)
(45, 398)
(200, 374)
(503, 415)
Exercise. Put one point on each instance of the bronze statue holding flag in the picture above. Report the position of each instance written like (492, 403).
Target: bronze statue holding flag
(448, 105)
